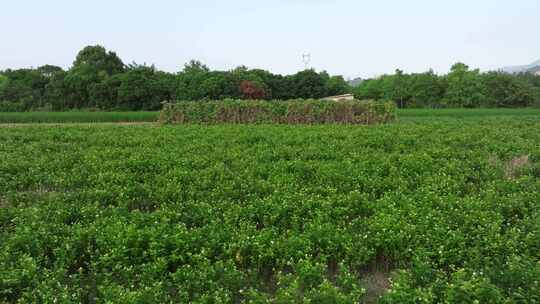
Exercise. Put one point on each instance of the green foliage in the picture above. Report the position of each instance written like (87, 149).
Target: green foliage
(464, 87)
(271, 213)
(309, 84)
(143, 88)
(443, 115)
(8, 106)
(9, 117)
(25, 86)
(426, 90)
(49, 70)
(99, 79)
(190, 81)
(337, 85)
(96, 59)
(289, 112)
(397, 88)
(370, 89)
(504, 90)
(461, 87)
(3, 82)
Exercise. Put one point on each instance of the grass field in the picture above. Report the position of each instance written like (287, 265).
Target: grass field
(418, 211)
(469, 114)
(76, 117)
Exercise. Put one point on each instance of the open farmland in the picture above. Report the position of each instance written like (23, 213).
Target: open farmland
(77, 117)
(419, 211)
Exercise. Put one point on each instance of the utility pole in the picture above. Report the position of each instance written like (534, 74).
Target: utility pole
(306, 59)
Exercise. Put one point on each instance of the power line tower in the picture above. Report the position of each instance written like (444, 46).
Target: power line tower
(306, 59)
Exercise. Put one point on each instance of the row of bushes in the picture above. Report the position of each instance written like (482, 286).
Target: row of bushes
(282, 112)
(461, 87)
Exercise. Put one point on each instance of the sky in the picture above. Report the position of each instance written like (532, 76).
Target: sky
(344, 37)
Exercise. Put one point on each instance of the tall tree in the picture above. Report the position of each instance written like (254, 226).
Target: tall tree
(49, 70)
(190, 79)
(308, 84)
(26, 86)
(143, 88)
(396, 88)
(95, 59)
(504, 90)
(336, 85)
(464, 86)
(370, 89)
(426, 89)
(92, 67)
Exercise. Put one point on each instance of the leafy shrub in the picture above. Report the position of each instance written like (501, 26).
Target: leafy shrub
(8, 106)
(282, 112)
(271, 213)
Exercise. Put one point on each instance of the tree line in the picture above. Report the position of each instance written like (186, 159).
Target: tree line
(461, 87)
(98, 79)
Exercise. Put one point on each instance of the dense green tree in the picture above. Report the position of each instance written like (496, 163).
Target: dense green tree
(95, 59)
(143, 88)
(49, 70)
(104, 94)
(3, 82)
(195, 67)
(26, 86)
(505, 90)
(99, 79)
(219, 85)
(308, 84)
(281, 87)
(426, 89)
(336, 85)
(190, 79)
(396, 88)
(84, 82)
(464, 87)
(532, 82)
(78, 85)
(370, 89)
(7, 105)
(56, 92)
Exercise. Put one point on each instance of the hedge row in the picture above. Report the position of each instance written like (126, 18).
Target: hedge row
(281, 112)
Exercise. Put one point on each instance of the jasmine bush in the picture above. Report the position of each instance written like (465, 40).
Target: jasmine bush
(396, 213)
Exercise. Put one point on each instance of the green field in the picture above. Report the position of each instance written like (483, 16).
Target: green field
(425, 210)
(76, 117)
(469, 114)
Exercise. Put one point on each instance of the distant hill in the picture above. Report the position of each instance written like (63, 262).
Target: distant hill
(522, 68)
(355, 82)
(535, 70)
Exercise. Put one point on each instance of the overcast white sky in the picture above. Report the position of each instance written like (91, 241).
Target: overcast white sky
(347, 37)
